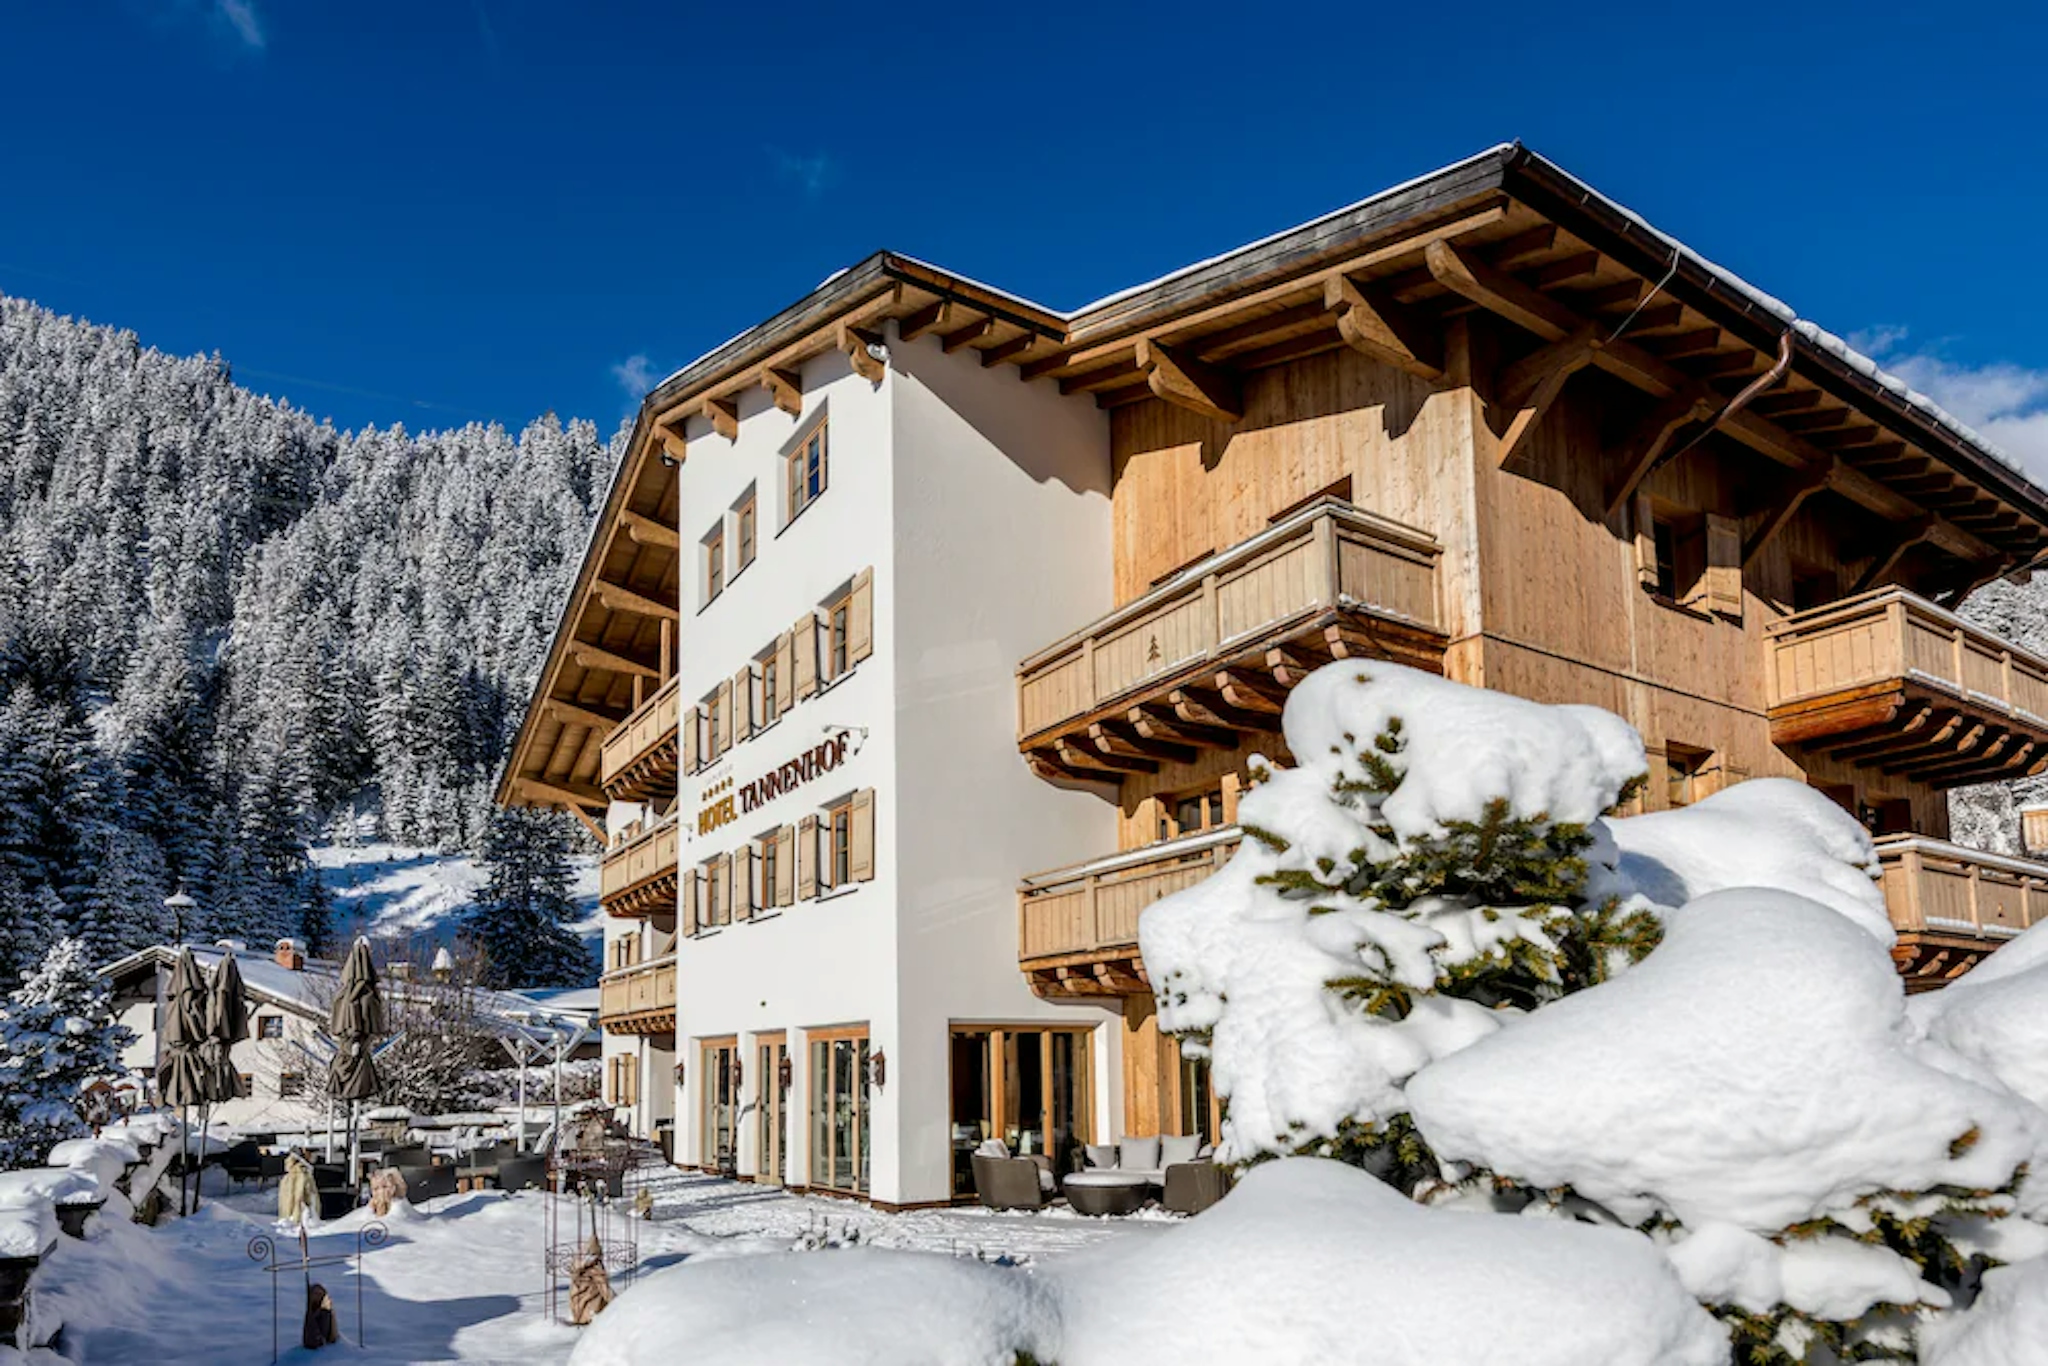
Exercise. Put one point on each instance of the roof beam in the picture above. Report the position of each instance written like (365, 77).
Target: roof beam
(619, 598)
(670, 434)
(1528, 388)
(1118, 738)
(915, 324)
(1178, 378)
(589, 656)
(973, 332)
(1011, 349)
(1651, 438)
(1905, 537)
(579, 714)
(1780, 514)
(859, 345)
(562, 793)
(785, 388)
(724, 416)
(644, 530)
(1376, 326)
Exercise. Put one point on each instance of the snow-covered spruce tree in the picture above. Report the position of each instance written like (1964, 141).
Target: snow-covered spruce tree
(1421, 868)
(57, 1035)
(520, 919)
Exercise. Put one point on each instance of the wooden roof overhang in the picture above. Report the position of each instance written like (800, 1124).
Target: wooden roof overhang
(609, 644)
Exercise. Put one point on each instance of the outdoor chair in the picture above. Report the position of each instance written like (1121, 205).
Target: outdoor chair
(335, 1201)
(428, 1183)
(414, 1155)
(522, 1173)
(329, 1176)
(1192, 1187)
(1009, 1182)
(243, 1162)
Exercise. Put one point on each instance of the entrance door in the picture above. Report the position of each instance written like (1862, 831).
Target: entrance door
(1027, 1085)
(718, 1131)
(839, 1110)
(771, 1064)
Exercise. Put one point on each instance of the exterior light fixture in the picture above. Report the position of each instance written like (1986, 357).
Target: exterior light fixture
(177, 903)
(785, 1073)
(878, 1069)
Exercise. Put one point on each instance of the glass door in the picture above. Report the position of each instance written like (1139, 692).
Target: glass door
(720, 1114)
(1030, 1086)
(839, 1111)
(771, 1061)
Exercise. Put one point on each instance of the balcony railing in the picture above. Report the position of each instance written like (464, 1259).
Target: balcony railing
(1077, 927)
(638, 875)
(1889, 680)
(1215, 648)
(640, 999)
(639, 759)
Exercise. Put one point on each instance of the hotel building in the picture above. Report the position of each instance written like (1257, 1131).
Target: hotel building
(926, 634)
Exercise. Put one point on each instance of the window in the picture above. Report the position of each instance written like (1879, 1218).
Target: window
(1685, 769)
(270, 1026)
(839, 844)
(839, 1111)
(1191, 813)
(771, 676)
(771, 863)
(743, 522)
(839, 616)
(806, 472)
(714, 564)
(1664, 536)
(1028, 1086)
(291, 1084)
(246, 1083)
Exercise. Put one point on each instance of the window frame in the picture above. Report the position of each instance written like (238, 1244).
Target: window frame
(291, 1085)
(714, 563)
(837, 837)
(766, 850)
(798, 491)
(747, 533)
(270, 1026)
(838, 625)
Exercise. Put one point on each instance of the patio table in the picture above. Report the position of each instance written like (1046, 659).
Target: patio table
(1106, 1192)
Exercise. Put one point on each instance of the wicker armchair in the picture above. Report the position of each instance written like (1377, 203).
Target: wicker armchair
(1010, 1182)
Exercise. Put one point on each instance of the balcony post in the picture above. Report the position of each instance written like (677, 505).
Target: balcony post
(1088, 671)
(1958, 653)
(1092, 904)
(1326, 551)
(1913, 870)
(1212, 615)
(2007, 694)
(1976, 883)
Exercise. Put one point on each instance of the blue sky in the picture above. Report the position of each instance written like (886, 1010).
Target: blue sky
(442, 209)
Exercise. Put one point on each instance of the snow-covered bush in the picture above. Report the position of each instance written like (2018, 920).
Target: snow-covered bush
(1423, 867)
(1996, 1015)
(1437, 955)
(57, 1035)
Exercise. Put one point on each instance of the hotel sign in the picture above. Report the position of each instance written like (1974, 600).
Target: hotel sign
(723, 804)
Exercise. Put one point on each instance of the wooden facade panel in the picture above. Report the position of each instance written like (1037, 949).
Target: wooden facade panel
(1053, 923)
(1399, 585)
(1154, 644)
(1049, 695)
(1278, 586)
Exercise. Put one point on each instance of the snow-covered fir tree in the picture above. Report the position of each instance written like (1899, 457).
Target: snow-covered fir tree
(520, 918)
(223, 622)
(57, 1036)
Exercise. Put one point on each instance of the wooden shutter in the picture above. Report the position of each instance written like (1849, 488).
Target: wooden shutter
(807, 858)
(743, 703)
(785, 673)
(723, 740)
(1722, 580)
(860, 617)
(860, 840)
(1646, 543)
(689, 891)
(686, 722)
(743, 882)
(722, 870)
(785, 866)
(803, 639)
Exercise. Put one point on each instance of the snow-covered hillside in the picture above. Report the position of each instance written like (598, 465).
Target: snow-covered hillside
(388, 890)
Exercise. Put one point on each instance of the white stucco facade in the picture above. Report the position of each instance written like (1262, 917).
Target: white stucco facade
(979, 507)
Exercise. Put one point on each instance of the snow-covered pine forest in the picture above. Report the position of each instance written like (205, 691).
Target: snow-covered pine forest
(225, 624)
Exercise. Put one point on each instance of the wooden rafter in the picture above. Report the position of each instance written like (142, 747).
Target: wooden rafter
(915, 324)
(963, 336)
(1180, 379)
(1376, 326)
(589, 656)
(785, 388)
(644, 530)
(1791, 497)
(1653, 436)
(1123, 740)
(619, 598)
(855, 343)
(1011, 349)
(582, 714)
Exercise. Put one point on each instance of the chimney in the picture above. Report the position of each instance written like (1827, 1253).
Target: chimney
(291, 955)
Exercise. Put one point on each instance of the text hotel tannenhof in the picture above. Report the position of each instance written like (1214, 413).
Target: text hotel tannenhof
(815, 762)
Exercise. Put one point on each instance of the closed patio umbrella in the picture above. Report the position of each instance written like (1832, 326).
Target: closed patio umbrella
(227, 1022)
(181, 1073)
(356, 1022)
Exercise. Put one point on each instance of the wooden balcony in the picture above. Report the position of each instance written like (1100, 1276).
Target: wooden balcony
(1887, 680)
(1952, 906)
(639, 760)
(640, 999)
(637, 879)
(1207, 658)
(1077, 927)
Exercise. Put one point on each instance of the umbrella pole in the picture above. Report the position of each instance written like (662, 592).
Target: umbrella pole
(199, 1172)
(519, 1133)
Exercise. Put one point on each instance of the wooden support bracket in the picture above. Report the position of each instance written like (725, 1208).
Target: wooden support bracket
(1185, 382)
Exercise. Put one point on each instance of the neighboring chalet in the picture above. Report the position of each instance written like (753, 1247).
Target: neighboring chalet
(972, 614)
(289, 997)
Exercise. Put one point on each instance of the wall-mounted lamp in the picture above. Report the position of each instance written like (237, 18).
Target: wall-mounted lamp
(879, 351)
(878, 1068)
(785, 1073)
(679, 1074)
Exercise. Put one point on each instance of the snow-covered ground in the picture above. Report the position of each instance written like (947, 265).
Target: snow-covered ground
(460, 1280)
(389, 890)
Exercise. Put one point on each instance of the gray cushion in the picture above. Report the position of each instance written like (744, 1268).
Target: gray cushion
(1174, 1149)
(1137, 1154)
(1101, 1155)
